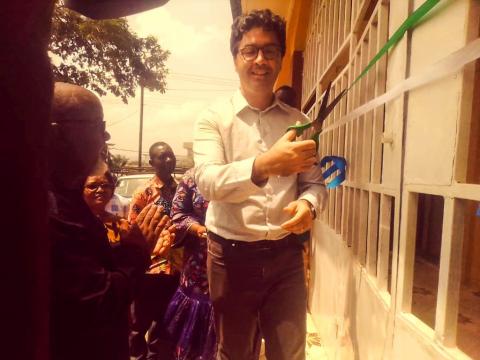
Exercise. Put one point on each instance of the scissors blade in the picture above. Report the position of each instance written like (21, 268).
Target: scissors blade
(317, 123)
(334, 103)
(324, 101)
(327, 110)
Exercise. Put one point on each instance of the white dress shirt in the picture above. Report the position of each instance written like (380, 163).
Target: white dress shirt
(227, 138)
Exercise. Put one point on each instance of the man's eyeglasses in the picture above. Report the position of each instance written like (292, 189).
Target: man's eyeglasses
(270, 52)
(96, 186)
(100, 124)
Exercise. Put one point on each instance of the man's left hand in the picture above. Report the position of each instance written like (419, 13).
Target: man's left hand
(152, 223)
(165, 241)
(301, 220)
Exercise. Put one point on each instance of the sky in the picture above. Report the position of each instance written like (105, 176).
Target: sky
(200, 70)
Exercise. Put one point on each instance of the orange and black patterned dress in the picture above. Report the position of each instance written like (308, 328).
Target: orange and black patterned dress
(115, 226)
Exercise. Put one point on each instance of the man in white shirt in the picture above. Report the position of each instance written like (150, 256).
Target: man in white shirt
(264, 190)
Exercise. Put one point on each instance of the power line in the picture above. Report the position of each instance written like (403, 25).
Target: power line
(127, 150)
(181, 99)
(231, 89)
(201, 94)
(179, 103)
(122, 119)
(203, 76)
(143, 152)
(206, 80)
(172, 102)
(178, 96)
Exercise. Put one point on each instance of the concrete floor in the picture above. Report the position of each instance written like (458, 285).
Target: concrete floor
(314, 350)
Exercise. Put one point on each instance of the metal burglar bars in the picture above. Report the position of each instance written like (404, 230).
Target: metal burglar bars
(437, 244)
(342, 37)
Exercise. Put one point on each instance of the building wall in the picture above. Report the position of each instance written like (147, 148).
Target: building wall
(406, 164)
(439, 120)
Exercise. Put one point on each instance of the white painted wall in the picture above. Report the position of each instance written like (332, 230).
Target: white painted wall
(349, 313)
(354, 319)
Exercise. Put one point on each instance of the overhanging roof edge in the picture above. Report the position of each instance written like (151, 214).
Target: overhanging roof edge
(236, 7)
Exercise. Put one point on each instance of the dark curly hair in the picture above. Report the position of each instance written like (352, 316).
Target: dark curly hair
(264, 19)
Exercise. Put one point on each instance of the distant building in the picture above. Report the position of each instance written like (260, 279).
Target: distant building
(189, 147)
(186, 161)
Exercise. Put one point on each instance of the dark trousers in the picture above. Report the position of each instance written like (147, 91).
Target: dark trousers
(147, 314)
(260, 283)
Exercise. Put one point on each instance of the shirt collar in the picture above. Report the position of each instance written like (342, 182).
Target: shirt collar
(239, 103)
(282, 105)
(155, 181)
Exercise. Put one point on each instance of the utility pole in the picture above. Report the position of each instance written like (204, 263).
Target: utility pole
(140, 134)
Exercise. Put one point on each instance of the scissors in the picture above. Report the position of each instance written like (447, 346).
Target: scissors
(338, 163)
(325, 110)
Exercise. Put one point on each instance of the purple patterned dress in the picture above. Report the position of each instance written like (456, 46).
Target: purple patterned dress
(189, 317)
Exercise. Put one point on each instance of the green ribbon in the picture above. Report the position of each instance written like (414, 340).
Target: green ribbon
(409, 23)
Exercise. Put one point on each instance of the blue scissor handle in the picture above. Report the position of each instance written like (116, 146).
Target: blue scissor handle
(340, 164)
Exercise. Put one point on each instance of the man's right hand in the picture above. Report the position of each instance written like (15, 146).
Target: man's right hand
(284, 158)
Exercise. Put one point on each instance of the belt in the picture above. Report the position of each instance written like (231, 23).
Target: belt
(288, 240)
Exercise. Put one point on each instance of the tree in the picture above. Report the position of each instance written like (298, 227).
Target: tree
(117, 162)
(105, 55)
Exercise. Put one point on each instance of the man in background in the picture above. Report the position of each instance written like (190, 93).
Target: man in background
(161, 281)
(286, 94)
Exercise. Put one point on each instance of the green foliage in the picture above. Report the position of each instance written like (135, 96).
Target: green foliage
(105, 55)
(117, 162)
